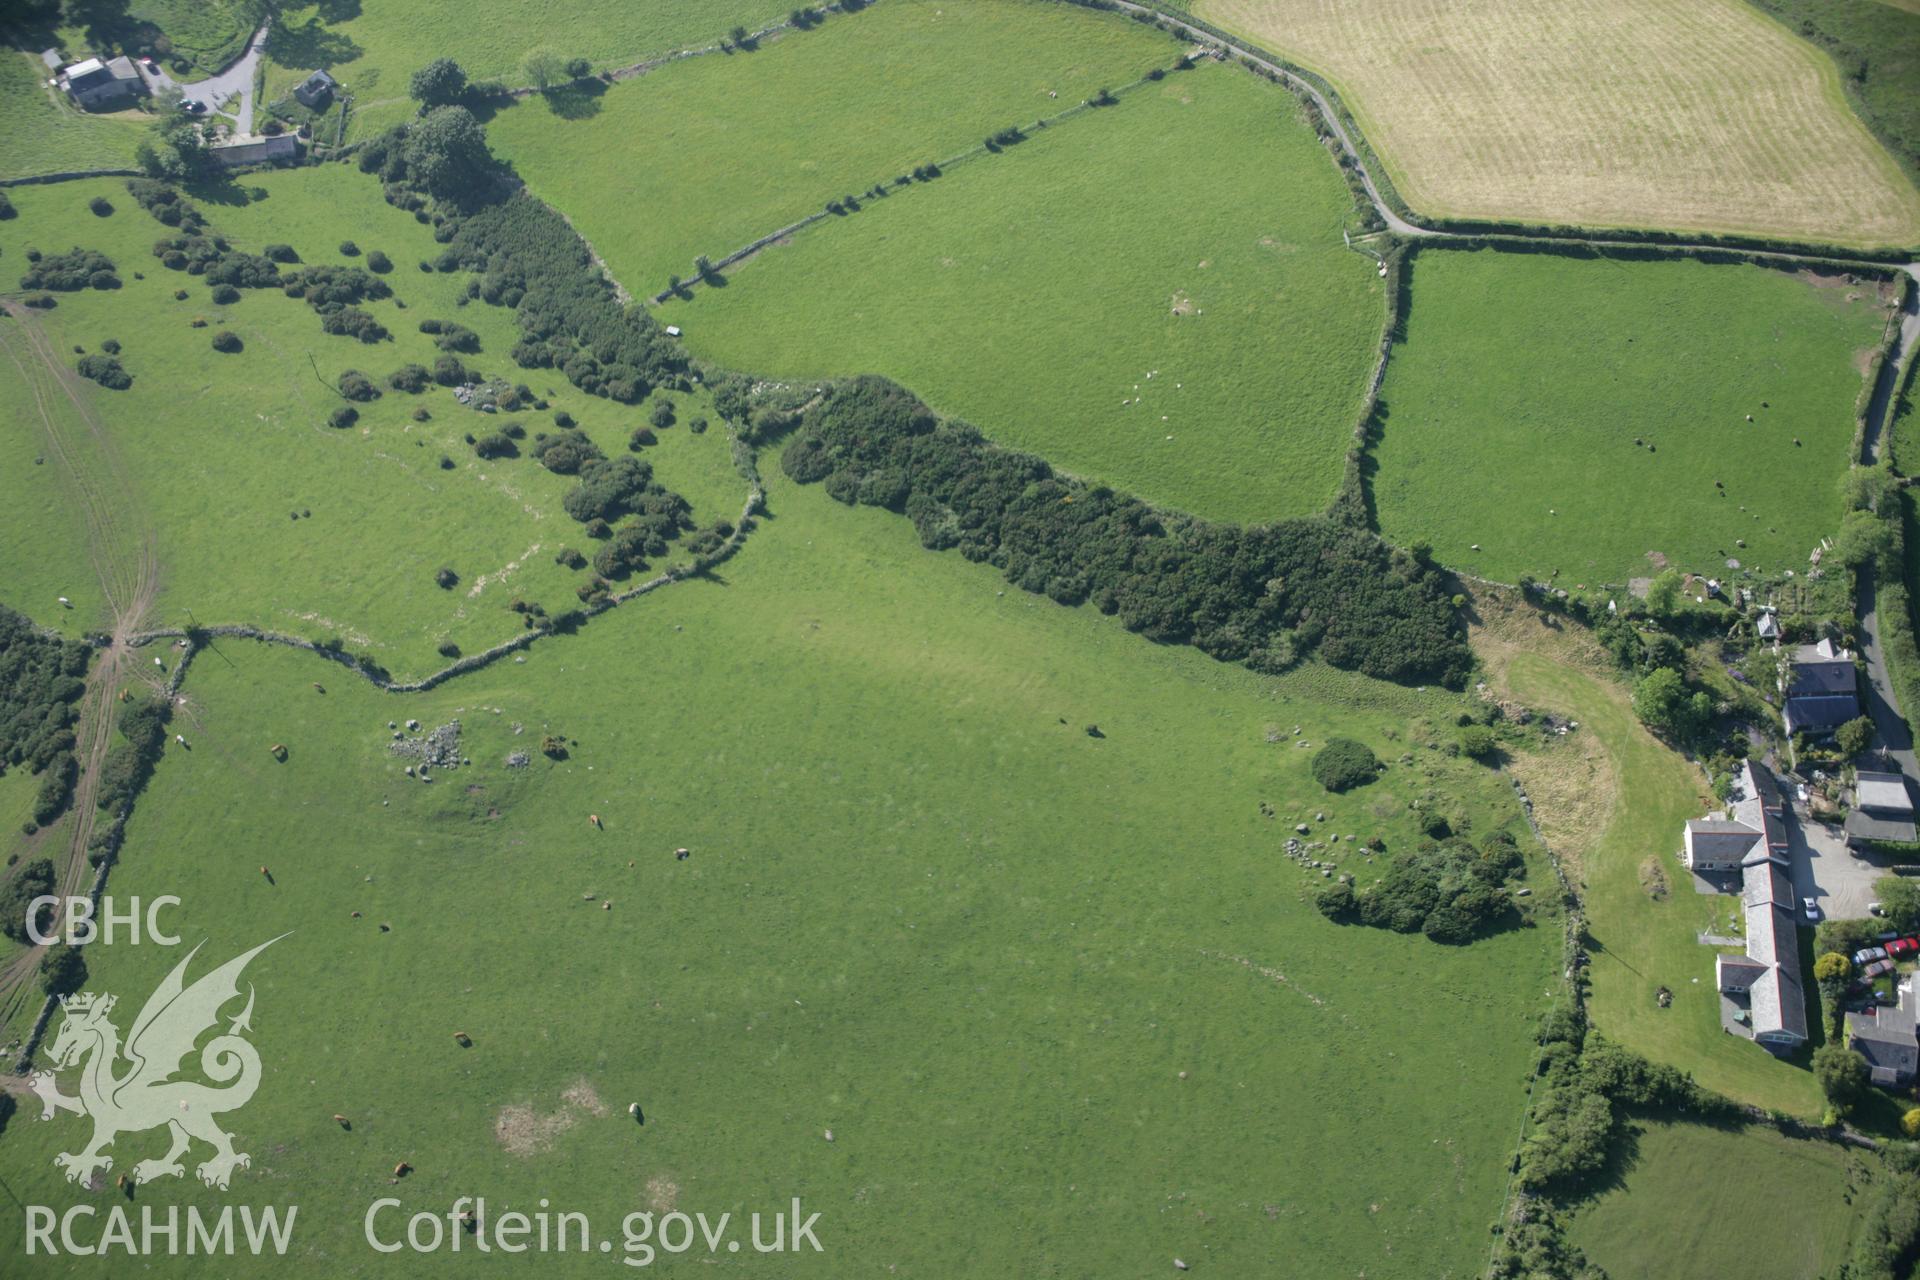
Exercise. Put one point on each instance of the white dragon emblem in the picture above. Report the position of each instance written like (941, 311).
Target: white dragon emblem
(146, 1095)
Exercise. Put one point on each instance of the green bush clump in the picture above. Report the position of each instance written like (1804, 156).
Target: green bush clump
(355, 385)
(496, 445)
(412, 378)
(226, 340)
(71, 271)
(1343, 764)
(345, 416)
(565, 455)
(32, 881)
(1446, 889)
(106, 371)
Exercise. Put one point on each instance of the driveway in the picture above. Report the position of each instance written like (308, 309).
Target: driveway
(237, 78)
(1825, 870)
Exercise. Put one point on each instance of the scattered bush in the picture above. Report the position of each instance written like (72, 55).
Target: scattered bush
(446, 579)
(1843, 1076)
(62, 971)
(379, 263)
(642, 438)
(352, 322)
(1477, 740)
(496, 445)
(34, 880)
(412, 378)
(71, 271)
(106, 371)
(349, 249)
(101, 206)
(565, 455)
(355, 385)
(345, 416)
(226, 340)
(280, 253)
(1343, 764)
(1854, 737)
(438, 84)
(224, 295)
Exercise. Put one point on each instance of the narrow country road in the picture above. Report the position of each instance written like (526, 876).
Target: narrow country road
(235, 78)
(1895, 737)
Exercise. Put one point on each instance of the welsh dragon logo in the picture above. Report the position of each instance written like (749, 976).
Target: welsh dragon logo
(146, 1094)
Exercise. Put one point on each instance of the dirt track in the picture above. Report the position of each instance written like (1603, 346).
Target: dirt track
(123, 551)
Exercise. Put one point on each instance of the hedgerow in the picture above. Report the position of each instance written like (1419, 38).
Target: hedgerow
(41, 680)
(1264, 596)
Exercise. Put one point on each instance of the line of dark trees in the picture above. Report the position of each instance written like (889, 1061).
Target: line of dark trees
(1266, 596)
(41, 681)
(525, 256)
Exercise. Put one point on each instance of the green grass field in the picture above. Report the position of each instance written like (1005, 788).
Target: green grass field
(372, 47)
(1122, 294)
(716, 152)
(1640, 943)
(1525, 380)
(46, 135)
(225, 447)
(1708, 1203)
(923, 909)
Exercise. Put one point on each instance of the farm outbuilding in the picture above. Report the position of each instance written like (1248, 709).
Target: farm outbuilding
(316, 91)
(94, 83)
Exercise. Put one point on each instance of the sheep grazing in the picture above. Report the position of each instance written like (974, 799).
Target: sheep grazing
(318, 687)
(594, 818)
(342, 1121)
(402, 1169)
(683, 854)
(462, 1039)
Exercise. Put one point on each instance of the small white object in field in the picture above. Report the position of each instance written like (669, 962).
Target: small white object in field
(68, 603)
(1179, 1265)
(829, 1135)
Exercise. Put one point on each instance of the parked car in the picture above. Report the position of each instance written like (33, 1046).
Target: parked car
(194, 107)
(1868, 955)
(1876, 908)
(1877, 968)
(1903, 947)
(1812, 909)
(150, 64)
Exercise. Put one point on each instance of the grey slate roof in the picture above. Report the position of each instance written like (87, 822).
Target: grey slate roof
(1862, 825)
(1887, 1041)
(1820, 712)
